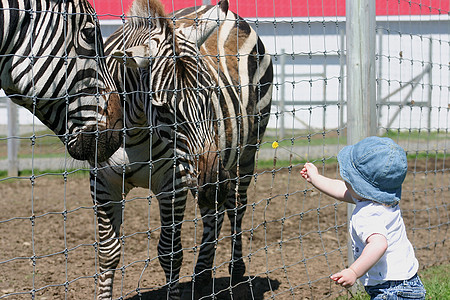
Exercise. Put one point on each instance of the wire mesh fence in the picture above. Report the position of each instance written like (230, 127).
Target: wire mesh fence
(68, 228)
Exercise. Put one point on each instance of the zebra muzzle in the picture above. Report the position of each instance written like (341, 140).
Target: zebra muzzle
(213, 181)
(98, 142)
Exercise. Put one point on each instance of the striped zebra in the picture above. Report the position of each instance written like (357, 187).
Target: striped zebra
(52, 63)
(197, 104)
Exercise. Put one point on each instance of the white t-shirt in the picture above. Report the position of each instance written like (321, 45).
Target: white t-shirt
(399, 261)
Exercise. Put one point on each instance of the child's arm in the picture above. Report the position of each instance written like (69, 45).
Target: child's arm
(332, 187)
(375, 248)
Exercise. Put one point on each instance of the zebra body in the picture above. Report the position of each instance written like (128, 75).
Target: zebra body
(52, 63)
(194, 116)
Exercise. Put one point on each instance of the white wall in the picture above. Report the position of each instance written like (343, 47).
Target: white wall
(403, 48)
(313, 71)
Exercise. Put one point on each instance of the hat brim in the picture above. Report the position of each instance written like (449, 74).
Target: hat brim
(363, 188)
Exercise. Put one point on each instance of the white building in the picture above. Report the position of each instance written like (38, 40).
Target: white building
(308, 49)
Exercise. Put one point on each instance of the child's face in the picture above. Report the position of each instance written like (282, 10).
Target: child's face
(352, 192)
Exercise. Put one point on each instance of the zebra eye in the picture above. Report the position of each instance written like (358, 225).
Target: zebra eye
(88, 34)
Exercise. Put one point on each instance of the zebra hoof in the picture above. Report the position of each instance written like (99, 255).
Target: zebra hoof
(174, 293)
(237, 270)
(202, 284)
(203, 278)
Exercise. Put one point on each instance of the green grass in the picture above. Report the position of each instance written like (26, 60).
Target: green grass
(333, 137)
(303, 138)
(357, 296)
(437, 282)
(43, 144)
(46, 144)
(279, 163)
(416, 135)
(435, 279)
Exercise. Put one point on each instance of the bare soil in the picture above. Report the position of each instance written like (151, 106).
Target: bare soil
(294, 237)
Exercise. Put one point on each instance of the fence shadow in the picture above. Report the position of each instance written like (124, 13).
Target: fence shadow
(253, 288)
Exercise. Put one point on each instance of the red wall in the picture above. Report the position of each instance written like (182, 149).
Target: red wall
(111, 9)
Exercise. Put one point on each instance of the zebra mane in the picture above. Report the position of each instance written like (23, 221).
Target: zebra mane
(141, 10)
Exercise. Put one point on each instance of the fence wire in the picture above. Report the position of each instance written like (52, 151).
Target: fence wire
(293, 237)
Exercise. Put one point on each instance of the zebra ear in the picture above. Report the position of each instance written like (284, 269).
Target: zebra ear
(207, 22)
(134, 57)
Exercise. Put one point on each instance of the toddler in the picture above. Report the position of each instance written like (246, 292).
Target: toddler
(373, 171)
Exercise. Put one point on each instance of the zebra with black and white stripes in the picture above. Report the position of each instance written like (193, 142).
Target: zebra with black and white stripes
(52, 63)
(197, 102)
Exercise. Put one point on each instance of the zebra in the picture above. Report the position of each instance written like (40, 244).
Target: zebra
(197, 102)
(52, 63)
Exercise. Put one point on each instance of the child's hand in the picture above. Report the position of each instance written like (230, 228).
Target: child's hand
(346, 278)
(309, 170)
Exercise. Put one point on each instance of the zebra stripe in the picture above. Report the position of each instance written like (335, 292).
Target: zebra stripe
(194, 116)
(52, 63)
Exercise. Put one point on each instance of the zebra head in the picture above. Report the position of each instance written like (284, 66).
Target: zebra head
(52, 63)
(178, 87)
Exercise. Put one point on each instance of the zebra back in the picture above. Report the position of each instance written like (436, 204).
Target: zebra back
(243, 71)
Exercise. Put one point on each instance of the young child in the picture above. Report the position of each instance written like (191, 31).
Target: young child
(373, 171)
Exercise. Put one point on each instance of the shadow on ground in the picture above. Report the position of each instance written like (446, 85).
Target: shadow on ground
(252, 288)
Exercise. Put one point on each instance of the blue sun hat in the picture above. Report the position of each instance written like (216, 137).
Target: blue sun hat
(375, 168)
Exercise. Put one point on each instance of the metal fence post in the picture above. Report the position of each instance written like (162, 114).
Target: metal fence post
(430, 82)
(342, 58)
(361, 84)
(380, 75)
(13, 142)
(282, 91)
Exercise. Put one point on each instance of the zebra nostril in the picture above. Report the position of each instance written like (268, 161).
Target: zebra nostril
(93, 143)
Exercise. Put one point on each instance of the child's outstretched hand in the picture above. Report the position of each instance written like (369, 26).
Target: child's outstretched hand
(309, 170)
(346, 278)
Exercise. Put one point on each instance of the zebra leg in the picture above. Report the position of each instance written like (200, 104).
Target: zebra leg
(212, 224)
(109, 220)
(108, 210)
(235, 210)
(236, 206)
(172, 204)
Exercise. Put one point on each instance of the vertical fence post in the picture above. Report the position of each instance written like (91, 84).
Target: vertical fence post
(430, 81)
(324, 95)
(282, 90)
(380, 74)
(361, 92)
(341, 76)
(13, 142)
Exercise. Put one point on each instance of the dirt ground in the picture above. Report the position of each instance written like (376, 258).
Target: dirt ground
(294, 237)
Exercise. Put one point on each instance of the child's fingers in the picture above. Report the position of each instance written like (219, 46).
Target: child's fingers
(304, 173)
(342, 280)
(310, 167)
(336, 276)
